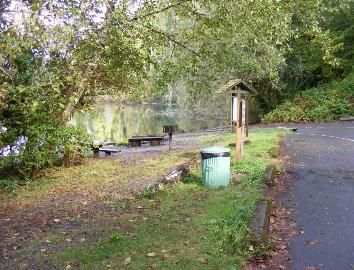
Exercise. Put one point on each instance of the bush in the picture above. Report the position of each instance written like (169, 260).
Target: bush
(324, 103)
(10, 184)
(46, 146)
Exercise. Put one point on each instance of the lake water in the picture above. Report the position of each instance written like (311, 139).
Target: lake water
(117, 121)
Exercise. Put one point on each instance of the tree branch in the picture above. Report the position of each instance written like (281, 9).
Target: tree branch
(8, 74)
(160, 10)
(172, 39)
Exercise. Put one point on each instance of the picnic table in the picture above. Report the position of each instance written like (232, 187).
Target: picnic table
(136, 141)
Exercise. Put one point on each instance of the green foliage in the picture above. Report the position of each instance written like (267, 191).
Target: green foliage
(47, 146)
(275, 43)
(193, 175)
(48, 71)
(321, 53)
(224, 228)
(115, 237)
(324, 103)
(124, 143)
(177, 51)
(10, 184)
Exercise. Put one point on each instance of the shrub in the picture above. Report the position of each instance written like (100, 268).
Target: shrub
(46, 146)
(324, 103)
(10, 184)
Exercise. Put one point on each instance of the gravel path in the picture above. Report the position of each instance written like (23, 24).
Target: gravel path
(180, 142)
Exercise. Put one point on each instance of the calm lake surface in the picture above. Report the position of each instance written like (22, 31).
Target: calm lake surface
(118, 121)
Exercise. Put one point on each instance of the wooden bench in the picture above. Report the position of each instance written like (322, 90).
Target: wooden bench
(109, 151)
(97, 147)
(136, 141)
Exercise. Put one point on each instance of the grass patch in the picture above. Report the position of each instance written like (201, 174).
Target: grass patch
(187, 226)
(91, 177)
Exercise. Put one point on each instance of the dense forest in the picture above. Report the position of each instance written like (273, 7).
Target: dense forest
(57, 57)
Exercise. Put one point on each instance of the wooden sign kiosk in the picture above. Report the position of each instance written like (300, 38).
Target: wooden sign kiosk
(239, 92)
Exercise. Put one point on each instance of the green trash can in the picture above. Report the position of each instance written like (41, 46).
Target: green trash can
(215, 166)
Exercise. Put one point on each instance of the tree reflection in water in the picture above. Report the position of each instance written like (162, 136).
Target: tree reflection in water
(118, 121)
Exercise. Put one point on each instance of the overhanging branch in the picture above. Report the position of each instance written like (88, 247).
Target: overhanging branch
(160, 10)
(172, 39)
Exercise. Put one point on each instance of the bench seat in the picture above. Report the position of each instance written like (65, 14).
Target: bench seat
(136, 141)
(109, 151)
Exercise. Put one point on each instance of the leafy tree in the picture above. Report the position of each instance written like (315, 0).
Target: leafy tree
(57, 56)
(320, 53)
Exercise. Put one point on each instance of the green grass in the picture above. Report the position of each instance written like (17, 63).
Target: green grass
(187, 226)
(90, 177)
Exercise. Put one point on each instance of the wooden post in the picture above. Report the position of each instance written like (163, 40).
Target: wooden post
(232, 104)
(247, 115)
(243, 122)
(238, 154)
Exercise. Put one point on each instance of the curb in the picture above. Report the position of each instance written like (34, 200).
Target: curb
(259, 225)
(269, 175)
(347, 119)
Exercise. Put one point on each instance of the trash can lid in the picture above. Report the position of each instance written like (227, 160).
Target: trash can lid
(215, 149)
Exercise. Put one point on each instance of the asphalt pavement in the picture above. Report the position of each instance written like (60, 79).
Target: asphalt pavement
(322, 196)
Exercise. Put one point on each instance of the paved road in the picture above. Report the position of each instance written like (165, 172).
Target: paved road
(322, 196)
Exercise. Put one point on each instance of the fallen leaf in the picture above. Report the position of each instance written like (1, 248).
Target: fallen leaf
(283, 247)
(151, 254)
(82, 239)
(127, 260)
(68, 240)
(314, 242)
(203, 259)
(166, 256)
